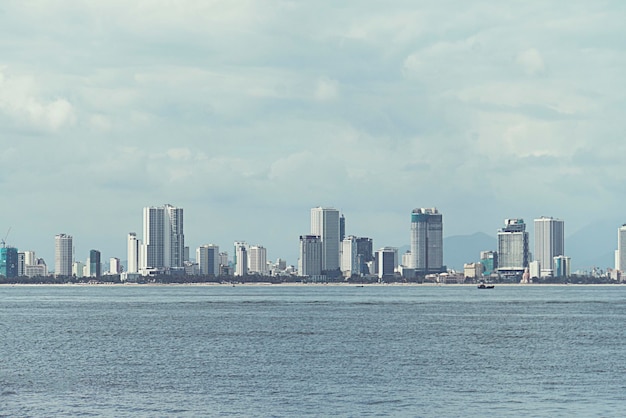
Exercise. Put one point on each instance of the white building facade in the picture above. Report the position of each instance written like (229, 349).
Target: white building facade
(350, 261)
(63, 255)
(133, 253)
(241, 259)
(325, 224)
(257, 260)
(549, 243)
(620, 253)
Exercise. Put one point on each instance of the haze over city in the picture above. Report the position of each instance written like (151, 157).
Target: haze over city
(248, 114)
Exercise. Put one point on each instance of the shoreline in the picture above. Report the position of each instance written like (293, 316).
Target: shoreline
(268, 284)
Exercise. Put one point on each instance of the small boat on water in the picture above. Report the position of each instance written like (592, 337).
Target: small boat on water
(483, 285)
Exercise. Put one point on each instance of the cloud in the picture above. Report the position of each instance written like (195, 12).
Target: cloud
(326, 90)
(20, 100)
(222, 106)
(531, 61)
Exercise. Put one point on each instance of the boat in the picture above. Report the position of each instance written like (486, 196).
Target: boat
(483, 285)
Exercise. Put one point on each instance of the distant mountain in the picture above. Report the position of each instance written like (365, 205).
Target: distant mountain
(461, 249)
(593, 246)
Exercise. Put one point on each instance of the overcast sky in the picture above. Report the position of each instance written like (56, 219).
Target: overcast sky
(249, 113)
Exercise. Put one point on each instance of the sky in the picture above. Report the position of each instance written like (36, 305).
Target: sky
(248, 113)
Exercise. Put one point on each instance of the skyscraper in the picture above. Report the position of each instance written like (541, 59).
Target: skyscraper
(163, 237)
(9, 262)
(513, 256)
(134, 251)
(386, 261)
(620, 253)
(63, 255)
(342, 227)
(325, 224)
(95, 264)
(427, 241)
(349, 256)
(489, 260)
(115, 266)
(208, 259)
(241, 257)
(310, 261)
(562, 266)
(549, 243)
(257, 257)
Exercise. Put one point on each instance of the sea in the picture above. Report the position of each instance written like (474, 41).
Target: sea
(312, 350)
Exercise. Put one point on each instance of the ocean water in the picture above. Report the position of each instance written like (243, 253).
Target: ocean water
(284, 351)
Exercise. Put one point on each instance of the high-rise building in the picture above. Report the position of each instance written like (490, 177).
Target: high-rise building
(549, 243)
(365, 248)
(489, 260)
(427, 241)
(134, 251)
(163, 238)
(21, 263)
(350, 256)
(115, 266)
(325, 224)
(387, 261)
(257, 258)
(342, 227)
(620, 253)
(8, 262)
(78, 269)
(562, 266)
(95, 264)
(63, 255)
(208, 259)
(310, 261)
(30, 259)
(224, 259)
(513, 255)
(241, 259)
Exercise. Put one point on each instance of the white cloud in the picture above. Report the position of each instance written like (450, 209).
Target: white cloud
(223, 104)
(21, 100)
(326, 90)
(531, 61)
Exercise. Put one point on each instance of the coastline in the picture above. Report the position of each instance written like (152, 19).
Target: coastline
(297, 284)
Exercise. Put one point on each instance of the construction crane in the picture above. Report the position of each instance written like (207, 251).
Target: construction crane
(4, 240)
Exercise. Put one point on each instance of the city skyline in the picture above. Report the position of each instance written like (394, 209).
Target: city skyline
(133, 242)
(239, 112)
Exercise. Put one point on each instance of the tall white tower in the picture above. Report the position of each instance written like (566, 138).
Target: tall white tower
(549, 243)
(257, 255)
(133, 247)
(241, 259)
(620, 254)
(63, 255)
(426, 240)
(349, 256)
(325, 224)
